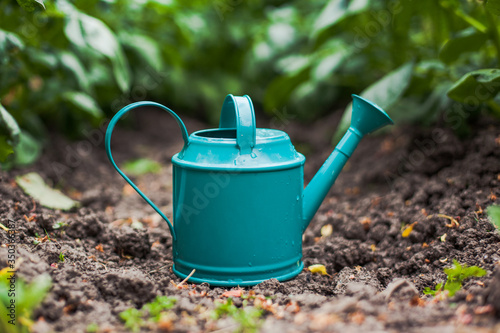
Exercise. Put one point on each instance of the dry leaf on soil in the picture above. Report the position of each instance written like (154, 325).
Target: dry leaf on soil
(318, 269)
(326, 230)
(407, 231)
(233, 293)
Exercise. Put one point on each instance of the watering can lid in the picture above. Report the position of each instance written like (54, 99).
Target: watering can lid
(237, 145)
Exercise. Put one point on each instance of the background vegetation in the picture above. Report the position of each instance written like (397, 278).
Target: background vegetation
(66, 65)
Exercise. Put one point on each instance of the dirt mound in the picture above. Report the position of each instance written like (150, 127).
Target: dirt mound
(114, 253)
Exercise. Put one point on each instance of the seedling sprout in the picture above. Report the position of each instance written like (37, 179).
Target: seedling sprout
(455, 276)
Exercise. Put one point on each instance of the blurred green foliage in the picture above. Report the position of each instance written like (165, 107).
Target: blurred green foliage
(20, 301)
(65, 65)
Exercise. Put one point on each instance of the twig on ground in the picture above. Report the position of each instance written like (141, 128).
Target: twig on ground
(179, 286)
(159, 268)
(34, 206)
(453, 222)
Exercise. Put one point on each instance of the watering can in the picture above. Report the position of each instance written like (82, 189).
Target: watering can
(239, 203)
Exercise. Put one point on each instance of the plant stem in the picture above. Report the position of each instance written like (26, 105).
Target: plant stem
(494, 107)
(467, 18)
(472, 21)
(493, 31)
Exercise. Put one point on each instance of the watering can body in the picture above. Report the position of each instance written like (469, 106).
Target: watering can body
(237, 215)
(239, 203)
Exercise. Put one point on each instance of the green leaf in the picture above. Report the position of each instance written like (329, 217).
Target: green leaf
(9, 134)
(433, 292)
(336, 10)
(29, 5)
(72, 64)
(331, 62)
(454, 271)
(132, 319)
(280, 89)
(5, 148)
(144, 46)
(92, 328)
(8, 126)
(9, 42)
(121, 71)
(429, 291)
(476, 86)
(83, 102)
(161, 303)
(453, 287)
(411, 110)
(36, 291)
(72, 28)
(473, 271)
(27, 151)
(34, 185)
(494, 214)
(385, 92)
(141, 166)
(468, 40)
(99, 37)
(41, 58)
(86, 31)
(391, 87)
(293, 64)
(41, 3)
(493, 6)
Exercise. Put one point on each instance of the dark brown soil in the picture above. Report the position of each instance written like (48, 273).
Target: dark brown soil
(118, 251)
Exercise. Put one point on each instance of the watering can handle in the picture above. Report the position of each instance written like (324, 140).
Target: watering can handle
(107, 143)
(237, 112)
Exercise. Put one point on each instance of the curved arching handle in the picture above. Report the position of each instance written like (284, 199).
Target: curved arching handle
(237, 112)
(107, 143)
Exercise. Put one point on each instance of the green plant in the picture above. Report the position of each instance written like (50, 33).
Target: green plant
(48, 236)
(27, 297)
(68, 64)
(455, 276)
(248, 318)
(9, 134)
(134, 319)
(446, 66)
(92, 328)
(161, 303)
(60, 225)
(141, 166)
(494, 214)
(61, 257)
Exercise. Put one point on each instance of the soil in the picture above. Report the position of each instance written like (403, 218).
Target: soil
(118, 251)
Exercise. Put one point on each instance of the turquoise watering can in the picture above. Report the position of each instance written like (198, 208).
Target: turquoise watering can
(240, 207)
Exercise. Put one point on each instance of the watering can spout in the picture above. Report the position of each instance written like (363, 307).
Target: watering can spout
(366, 118)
